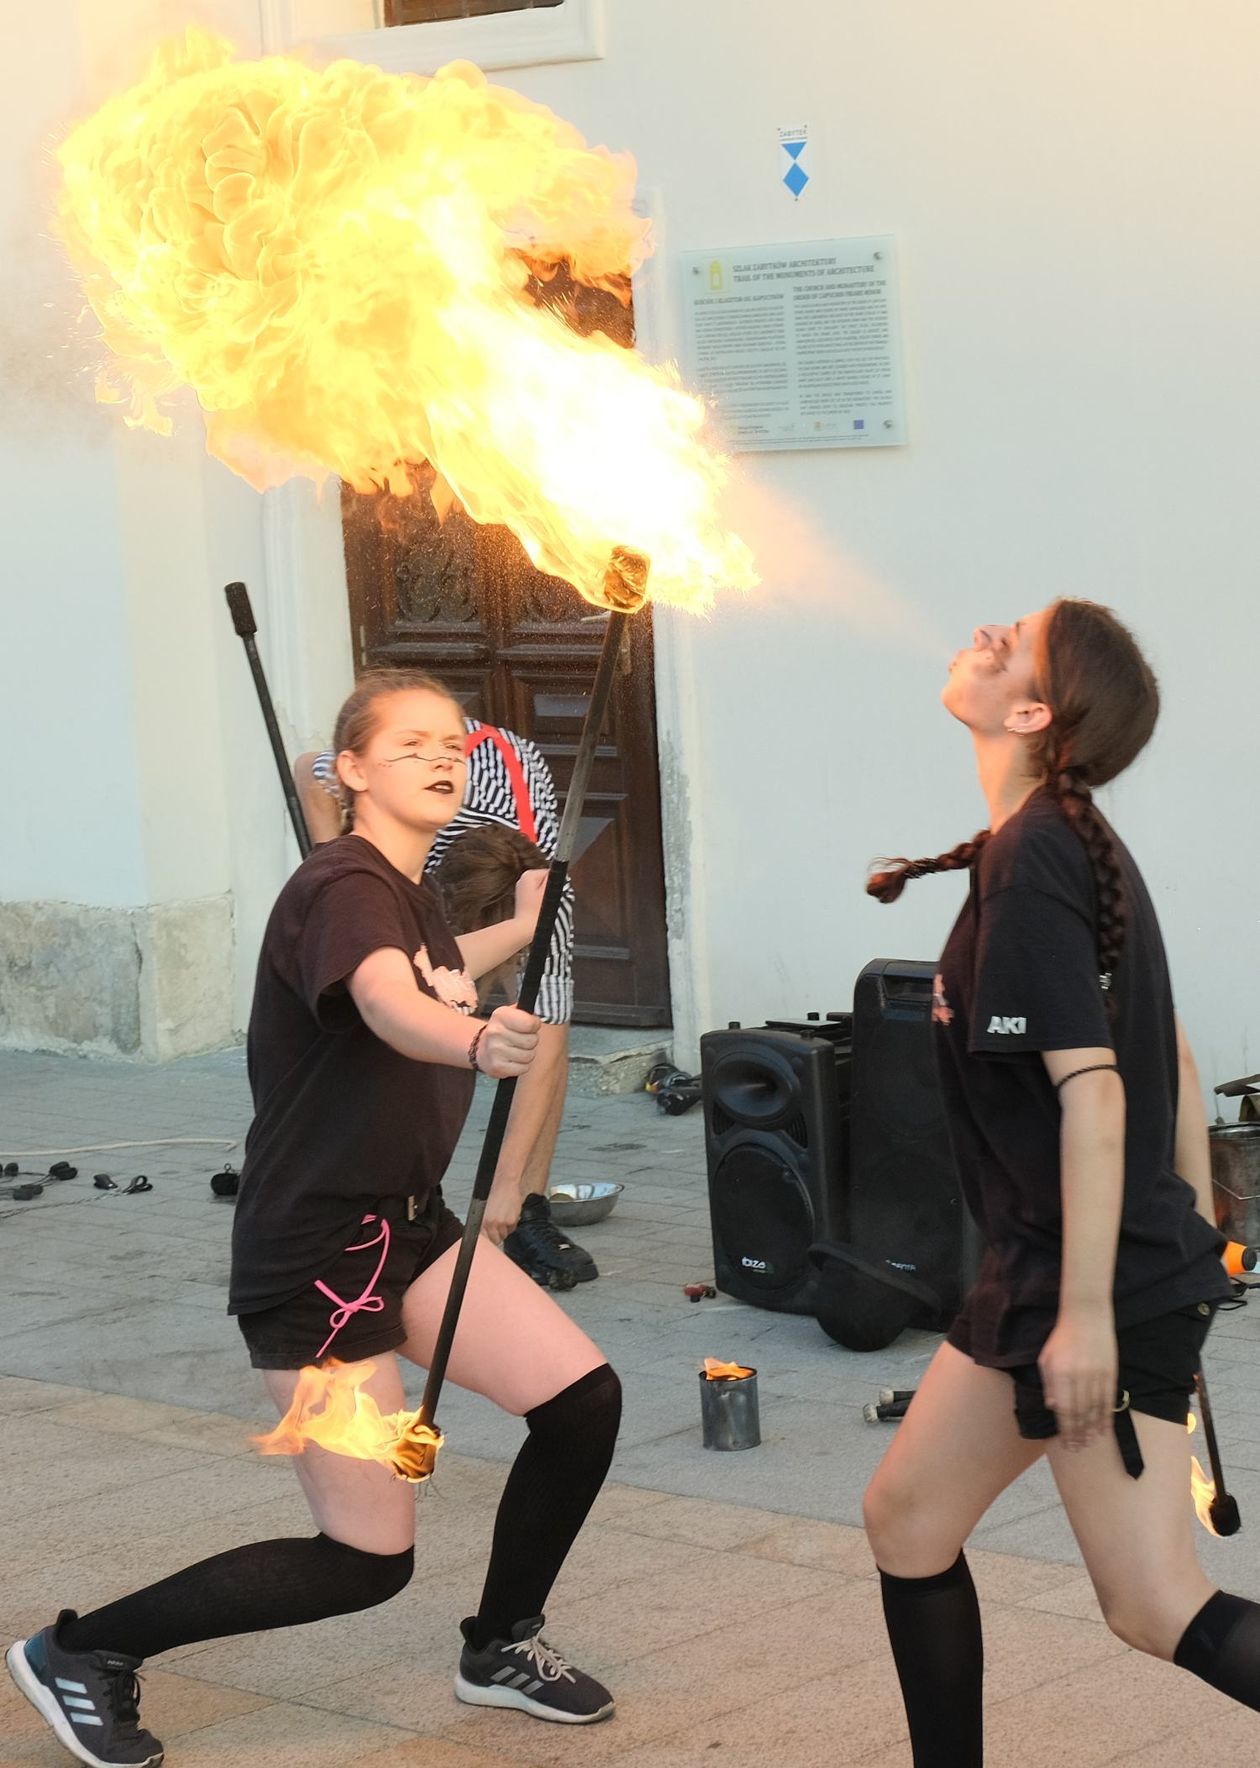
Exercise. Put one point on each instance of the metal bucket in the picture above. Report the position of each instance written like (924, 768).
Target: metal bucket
(1236, 1179)
(729, 1414)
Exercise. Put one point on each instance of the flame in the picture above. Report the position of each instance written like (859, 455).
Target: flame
(335, 261)
(715, 1371)
(1202, 1489)
(349, 1422)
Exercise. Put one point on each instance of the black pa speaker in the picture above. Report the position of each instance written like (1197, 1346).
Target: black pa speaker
(910, 1251)
(776, 1104)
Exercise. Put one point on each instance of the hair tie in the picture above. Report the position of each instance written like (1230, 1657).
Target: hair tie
(1094, 1068)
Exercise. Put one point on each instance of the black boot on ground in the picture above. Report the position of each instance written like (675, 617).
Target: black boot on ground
(545, 1251)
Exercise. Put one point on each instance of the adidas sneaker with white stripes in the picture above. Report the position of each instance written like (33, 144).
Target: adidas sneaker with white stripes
(91, 1699)
(524, 1672)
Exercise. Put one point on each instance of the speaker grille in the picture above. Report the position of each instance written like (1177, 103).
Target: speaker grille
(776, 1108)
(762, 1218)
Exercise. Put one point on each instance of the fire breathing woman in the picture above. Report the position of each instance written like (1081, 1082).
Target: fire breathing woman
(1080, 1137)
(363, 1049)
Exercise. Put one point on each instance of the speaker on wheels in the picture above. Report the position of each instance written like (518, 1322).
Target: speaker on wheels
(775, 1128)
(910, 1251)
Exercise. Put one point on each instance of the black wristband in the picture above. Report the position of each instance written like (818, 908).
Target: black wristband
(472, 1048)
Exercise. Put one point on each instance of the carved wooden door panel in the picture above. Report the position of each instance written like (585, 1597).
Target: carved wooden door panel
(520, 649)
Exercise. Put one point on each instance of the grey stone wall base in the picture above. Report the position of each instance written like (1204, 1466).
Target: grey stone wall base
(152, 982)
(603, 1062)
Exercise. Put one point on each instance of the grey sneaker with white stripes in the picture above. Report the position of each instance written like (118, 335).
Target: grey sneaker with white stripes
(91, 1699)
(525, 1673)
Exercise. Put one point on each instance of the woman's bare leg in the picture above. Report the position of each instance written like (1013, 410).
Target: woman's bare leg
(514, 1344)
(362, 1555)
(359, 1503)
(1136, 1535)
(521, 1350)
(956, 1450)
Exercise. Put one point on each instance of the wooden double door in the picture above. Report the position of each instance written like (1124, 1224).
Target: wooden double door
(520, 648)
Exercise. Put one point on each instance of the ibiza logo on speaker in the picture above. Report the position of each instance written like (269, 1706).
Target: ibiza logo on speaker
(760, 1265)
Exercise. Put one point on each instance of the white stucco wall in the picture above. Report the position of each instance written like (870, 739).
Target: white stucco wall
(1070, 188)
(138, 824)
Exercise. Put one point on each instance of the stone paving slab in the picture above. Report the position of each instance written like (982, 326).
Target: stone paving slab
(730, 1599)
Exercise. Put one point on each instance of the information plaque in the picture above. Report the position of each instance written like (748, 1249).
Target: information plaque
(797, 346)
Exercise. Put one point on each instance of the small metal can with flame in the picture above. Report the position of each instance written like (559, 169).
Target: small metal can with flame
(729, 1414)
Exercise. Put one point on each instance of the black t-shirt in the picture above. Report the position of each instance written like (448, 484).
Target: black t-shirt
(1019, 975)
(342, 1122)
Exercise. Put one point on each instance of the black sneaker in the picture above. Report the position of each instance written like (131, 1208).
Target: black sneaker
(545, 1251)
(91, 1699)
(525, 1673)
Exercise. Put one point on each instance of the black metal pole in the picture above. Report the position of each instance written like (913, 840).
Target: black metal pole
(246, 626)
(557, 873)
(1223, 1509)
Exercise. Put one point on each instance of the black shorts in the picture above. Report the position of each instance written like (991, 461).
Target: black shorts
(1159, 1360)
(354, 1309)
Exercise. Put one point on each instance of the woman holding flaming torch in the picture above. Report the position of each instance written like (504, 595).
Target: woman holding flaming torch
(1078, 1125)
(362, 1055)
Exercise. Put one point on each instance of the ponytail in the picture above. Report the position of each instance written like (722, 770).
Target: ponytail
(887, 885)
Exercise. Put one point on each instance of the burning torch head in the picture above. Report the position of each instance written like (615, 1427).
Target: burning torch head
(625, 580)
(331, 1409)
(1226, 1519)
(414, 1455)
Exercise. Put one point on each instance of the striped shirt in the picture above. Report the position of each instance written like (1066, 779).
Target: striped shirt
(489, 798)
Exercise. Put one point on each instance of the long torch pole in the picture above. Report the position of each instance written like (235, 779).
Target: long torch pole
(246, 626)
(627, 574)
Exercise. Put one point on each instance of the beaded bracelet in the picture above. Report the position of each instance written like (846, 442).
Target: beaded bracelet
(472, 1048)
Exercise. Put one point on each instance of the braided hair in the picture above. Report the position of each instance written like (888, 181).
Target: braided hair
(887, 885)
(1104, 701)
(357, 720)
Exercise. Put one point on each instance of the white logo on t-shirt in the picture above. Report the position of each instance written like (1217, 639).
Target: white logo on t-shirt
(1003, 1027)
(454, 988)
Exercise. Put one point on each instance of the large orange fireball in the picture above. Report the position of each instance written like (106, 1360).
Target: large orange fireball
(335, 260)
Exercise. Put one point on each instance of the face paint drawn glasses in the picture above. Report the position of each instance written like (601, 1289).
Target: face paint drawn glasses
(429, 760)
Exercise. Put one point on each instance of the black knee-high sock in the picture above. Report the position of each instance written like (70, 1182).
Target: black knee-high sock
(553, 1483)
(1222, 1646)
(247, 1590)
(934, 1629)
